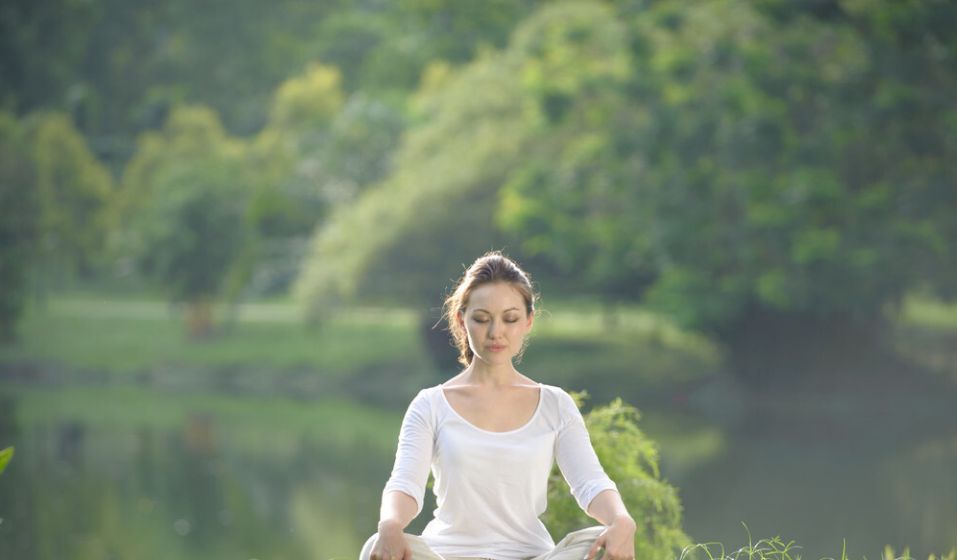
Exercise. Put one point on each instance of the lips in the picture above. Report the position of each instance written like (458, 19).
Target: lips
(497, 348)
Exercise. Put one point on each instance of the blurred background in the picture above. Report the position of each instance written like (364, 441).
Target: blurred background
(226, 230)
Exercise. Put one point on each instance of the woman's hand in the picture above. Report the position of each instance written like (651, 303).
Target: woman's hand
(391, 544)
(618, 540)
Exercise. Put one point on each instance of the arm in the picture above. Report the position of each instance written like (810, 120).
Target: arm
(596, 494)
(398, 509)
(413, 459)
(405, 490)
(608, 509)
(619, 537)
(577, 458)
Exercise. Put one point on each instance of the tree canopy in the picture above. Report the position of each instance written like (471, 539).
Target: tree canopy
(731, 163)
(736, 164)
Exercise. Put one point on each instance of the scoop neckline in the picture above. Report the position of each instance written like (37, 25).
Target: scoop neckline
(538, 407)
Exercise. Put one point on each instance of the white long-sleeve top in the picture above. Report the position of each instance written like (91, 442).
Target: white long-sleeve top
(491, 487)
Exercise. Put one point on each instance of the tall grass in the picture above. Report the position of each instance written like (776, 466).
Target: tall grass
(776, 548)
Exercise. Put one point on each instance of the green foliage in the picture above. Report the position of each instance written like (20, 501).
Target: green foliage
(73, 188)
(318, 150)
(184, 205)
(474, 129)
(631, 460)
(193, 231)
(37, 67)
(449, 162)
(773, 548)
(19, 222)
(5, 456)
(307, 102)
(740, 170)
(120, 66)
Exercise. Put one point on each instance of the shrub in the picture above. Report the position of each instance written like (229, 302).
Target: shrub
(631, 460)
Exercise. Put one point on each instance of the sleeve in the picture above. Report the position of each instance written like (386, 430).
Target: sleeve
(413, 456)
(576, 457)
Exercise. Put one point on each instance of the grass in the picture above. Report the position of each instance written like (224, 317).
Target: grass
(125, 336)
(926, 333)
(775, 548)
(927, 312)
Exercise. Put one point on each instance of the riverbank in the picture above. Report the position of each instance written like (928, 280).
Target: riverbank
(374, 354)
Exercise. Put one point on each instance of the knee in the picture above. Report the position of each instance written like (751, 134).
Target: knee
(581, 537)
(590, 532)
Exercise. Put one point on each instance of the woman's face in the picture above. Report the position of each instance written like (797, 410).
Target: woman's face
(496, 322)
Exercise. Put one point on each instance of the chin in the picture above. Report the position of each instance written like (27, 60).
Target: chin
(497, 357)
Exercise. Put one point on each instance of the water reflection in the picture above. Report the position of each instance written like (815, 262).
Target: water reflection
(868, 469)
(238, 478)
(81, 489)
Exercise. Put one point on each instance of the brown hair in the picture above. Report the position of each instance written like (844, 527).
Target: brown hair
(491, 267)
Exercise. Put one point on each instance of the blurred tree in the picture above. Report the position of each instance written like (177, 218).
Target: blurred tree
(286, 199)
(713, 158)
(795, 212)
(73, 189)
(750, 185)
(19, 222)
(191, 135)
(440, 189)
(477, 129)
(183, 210)
(41, 44)
(119, 66)
(567, 200)
(318, 150)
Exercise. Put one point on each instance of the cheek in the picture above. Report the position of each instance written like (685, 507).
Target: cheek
(472, 329)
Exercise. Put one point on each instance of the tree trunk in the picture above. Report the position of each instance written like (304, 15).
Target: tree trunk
(199, 318)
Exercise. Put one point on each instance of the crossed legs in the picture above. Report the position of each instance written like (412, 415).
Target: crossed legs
(573, 547)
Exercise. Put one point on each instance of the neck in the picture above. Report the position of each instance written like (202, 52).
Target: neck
(490, 375)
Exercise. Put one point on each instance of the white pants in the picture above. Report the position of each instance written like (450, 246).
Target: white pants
(574, 546)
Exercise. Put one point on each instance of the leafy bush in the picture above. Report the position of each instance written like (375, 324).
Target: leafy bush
(631, 459)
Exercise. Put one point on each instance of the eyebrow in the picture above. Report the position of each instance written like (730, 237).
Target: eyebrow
(509, 309)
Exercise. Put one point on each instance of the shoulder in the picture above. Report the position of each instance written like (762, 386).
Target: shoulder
(423, 402)
(425, 395)
(559, 399)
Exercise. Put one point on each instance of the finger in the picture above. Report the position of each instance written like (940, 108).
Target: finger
(599, 542)
(407, 554)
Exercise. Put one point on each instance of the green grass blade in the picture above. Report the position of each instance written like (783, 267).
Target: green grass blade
(5, 456)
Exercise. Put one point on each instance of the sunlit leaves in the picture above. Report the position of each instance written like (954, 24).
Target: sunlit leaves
(73, 189)
(19, 221)
(5, 456)
(631, 460)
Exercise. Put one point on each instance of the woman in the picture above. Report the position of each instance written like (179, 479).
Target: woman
(490, 436)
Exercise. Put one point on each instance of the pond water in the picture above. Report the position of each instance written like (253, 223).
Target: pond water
(137, 474)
